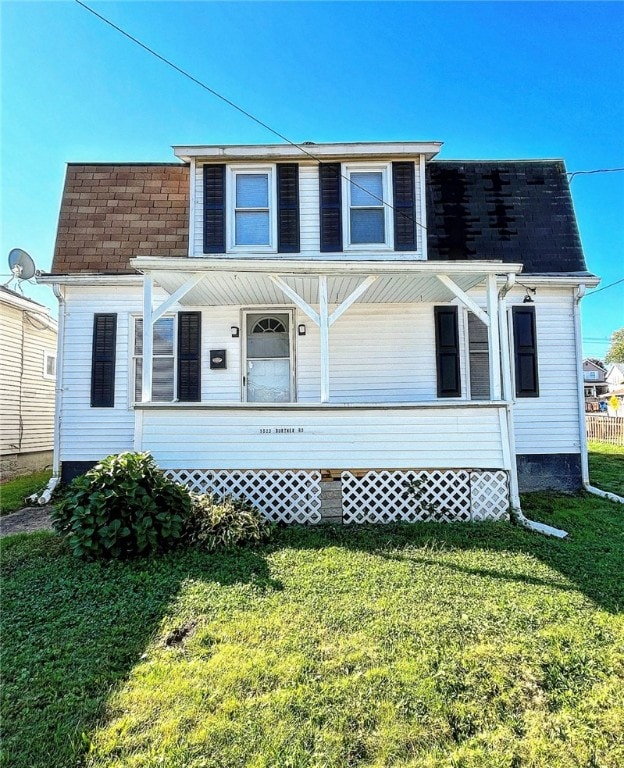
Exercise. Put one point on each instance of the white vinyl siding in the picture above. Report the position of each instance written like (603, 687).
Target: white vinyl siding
(26, 394)
(425, 438)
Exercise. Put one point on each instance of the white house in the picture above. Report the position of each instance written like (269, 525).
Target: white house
(317, 327)
(27, 384)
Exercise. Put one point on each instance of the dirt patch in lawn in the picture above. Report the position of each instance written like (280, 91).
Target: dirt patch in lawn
(27, 520)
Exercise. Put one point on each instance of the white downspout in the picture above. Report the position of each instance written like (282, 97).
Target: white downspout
(45, 497)
(516, 510)
(578, 295)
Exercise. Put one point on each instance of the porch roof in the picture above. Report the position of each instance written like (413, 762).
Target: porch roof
(218, 282)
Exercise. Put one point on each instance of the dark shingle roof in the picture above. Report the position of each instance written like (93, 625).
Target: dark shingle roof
(515, 211)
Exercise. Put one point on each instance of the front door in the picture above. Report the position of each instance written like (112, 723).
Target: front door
(268, 366)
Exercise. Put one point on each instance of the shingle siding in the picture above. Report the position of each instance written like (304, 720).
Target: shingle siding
(514, 211)
(112, 213)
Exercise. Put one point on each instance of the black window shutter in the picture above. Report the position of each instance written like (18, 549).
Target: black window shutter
(403, 186)
(447, 351)
(214, 208)
(189, 356)
(330, 194)
(103, 360)
(525, 351)
(288, 208)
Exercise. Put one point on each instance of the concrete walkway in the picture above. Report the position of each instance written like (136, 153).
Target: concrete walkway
(27, 520)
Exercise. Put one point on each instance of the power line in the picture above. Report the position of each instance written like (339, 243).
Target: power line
(572, 174)
(617, 282)
(235, 106)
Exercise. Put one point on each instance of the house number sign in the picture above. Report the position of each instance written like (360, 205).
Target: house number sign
(280, 430)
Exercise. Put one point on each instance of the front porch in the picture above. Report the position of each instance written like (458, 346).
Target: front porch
(334, 455)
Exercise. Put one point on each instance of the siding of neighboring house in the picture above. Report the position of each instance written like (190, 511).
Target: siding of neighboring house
(26, 394)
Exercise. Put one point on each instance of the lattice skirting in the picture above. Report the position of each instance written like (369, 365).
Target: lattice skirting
(287, 496)
(433, 495)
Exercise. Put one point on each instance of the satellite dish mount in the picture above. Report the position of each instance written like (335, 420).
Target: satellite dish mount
(22, 268)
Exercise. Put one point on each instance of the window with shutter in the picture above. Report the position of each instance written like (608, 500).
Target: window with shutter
(479, 357)
(103, 360)
(367, 218)
(447, 351)
(525, 351)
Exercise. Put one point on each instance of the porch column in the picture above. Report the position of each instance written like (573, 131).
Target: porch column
(146, 390)
(494, 340)
(324, 329)
(503, 326)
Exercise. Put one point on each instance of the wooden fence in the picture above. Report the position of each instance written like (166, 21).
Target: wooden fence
(606, 429)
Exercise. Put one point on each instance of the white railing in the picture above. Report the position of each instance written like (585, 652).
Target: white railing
(605, 429)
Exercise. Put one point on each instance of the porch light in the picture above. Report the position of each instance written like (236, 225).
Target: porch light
(235, 330)
(301, 329)
(528, 299)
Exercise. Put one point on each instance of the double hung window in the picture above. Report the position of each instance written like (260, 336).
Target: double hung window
(366, 213)
(163, 370)
(252, 222)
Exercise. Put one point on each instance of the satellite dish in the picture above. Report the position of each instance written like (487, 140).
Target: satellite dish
(21, 265)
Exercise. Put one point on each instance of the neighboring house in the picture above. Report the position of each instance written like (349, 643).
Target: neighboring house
(615, 376)
(594, 384)
(615, 383)
(27, 384)
(316, 334)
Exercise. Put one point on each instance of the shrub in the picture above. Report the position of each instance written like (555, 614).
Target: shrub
(123, 506)
(224, 523)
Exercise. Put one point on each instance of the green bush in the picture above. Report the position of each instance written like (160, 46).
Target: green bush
(224, 523)
(123, 506)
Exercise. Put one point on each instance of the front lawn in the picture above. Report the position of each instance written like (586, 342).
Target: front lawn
(428, 645)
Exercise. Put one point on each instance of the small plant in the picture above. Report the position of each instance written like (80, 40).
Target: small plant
(123, 506)
(224, 523)
(414, 489)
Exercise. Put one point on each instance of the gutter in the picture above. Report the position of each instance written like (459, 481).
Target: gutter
(578, 295)
(45, 497)
(516, 513)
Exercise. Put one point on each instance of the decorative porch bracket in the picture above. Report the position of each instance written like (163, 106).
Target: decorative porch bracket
(464, 298)
(322, 318)
(150, 316)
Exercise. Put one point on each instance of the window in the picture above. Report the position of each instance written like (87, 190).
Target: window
(49, 365)
(479, 356)
(163, 373)
(252, 219)
(367, 219)
(591, 375)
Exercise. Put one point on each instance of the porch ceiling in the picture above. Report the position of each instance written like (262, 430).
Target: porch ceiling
(229, 287)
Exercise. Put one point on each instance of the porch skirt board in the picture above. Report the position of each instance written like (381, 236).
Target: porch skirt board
(376, 496)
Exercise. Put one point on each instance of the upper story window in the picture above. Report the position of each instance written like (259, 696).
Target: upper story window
(251, 214)
(251, 208)
(367, 204)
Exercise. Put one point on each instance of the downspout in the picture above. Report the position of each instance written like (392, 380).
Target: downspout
(45, 497)
(516, 511)
(578, 295)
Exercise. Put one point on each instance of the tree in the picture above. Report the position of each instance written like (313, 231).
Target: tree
(616, 350)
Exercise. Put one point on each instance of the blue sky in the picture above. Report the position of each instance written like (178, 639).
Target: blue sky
(491, 80)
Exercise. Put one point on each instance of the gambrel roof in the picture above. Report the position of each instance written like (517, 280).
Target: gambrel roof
(512, 211)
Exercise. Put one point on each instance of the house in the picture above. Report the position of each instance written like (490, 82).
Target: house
(323, 328)
(615, 389)
(27, 384)
(595, 384)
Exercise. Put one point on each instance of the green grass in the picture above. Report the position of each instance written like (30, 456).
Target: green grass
(13, 493)
(606, 466)
(428, 645)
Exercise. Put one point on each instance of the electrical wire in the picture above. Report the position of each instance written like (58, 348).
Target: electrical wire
(604, 288)
(235, 106)
(572, 174)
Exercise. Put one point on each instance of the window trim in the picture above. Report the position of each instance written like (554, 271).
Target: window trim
(47, 355)
(232, 171)
(386, 183)
(133, 357)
